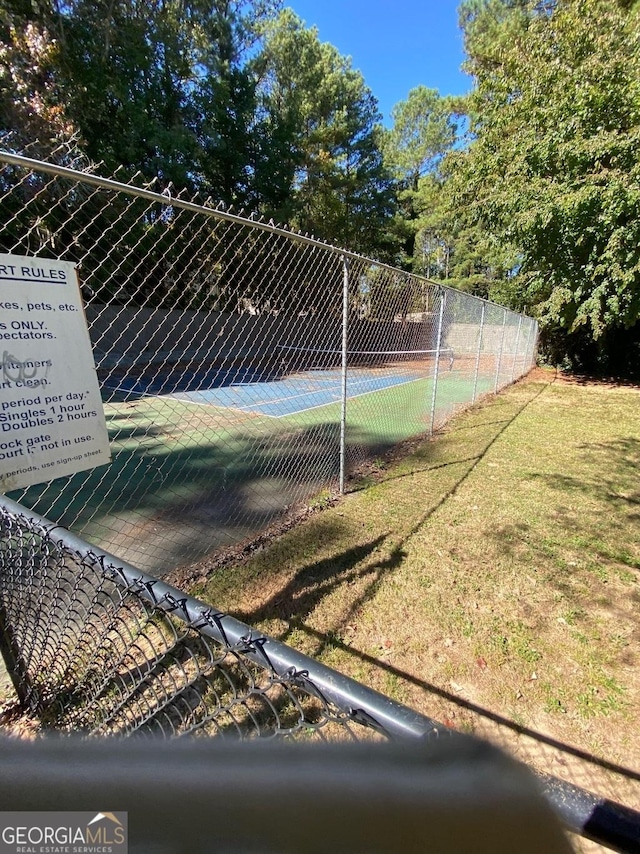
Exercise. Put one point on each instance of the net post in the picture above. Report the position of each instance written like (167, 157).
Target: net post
(480, 334)
(434, 392)
(345, 355)
(515, 354)
(504, 327)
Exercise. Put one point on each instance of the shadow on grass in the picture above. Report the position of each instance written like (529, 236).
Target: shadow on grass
(610, 488)
(421, 456)
(330, 640)
(316, 580)
(617, 463)
(312, 583)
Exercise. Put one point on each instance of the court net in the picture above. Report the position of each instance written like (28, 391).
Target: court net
(287, 360)
(297, 358)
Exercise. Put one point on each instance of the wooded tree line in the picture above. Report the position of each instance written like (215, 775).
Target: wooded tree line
(526, 191)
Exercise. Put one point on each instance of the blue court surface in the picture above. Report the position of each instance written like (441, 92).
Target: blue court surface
(260, 392)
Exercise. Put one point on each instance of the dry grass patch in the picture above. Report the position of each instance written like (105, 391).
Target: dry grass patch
(490, 579)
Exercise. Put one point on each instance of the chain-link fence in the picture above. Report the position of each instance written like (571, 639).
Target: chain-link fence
(96, 646)
(243, 368)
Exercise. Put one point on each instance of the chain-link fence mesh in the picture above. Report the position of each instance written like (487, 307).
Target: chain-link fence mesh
(243, 368)
(96, 646)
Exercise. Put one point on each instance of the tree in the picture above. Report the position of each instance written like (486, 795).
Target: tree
(159, 86)
(115, 68)
(325, 123)
(224, 104)
(452, 245)
(423, 130)
(553, 169)
(31, 108)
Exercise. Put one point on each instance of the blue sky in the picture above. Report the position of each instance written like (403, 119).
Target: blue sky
(396, 44)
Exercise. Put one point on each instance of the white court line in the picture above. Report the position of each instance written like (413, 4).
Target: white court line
(350, 397)
(255, 409)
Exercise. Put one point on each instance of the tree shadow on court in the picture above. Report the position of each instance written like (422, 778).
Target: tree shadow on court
(178, 502)
(167, 498)
(117, 432)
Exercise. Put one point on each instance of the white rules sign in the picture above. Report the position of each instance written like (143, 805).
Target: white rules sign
(51, 416)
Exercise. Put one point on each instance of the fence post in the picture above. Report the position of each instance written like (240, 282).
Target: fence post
(504, 326)
(533, 343)
(443, 299)
(11, 652)
(345, 356)
(536, 343)
(480, 333)
(525, 350)
(515, 354)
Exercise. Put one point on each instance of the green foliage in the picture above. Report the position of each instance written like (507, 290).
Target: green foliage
(424, 130)
(452, 247)
(163, 87)
(30, 101)
(553, 169)
(537, 207)
(122, 67)
(223, 97)
(327, 119)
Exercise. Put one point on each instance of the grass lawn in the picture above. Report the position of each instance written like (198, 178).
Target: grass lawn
(489, 578)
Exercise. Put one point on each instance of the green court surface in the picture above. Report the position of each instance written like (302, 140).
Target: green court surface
(171, 459)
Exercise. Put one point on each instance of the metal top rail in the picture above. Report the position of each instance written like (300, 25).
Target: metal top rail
(216, 212)
(582, 812)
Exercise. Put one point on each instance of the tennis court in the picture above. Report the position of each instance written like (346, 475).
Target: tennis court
(269, 392)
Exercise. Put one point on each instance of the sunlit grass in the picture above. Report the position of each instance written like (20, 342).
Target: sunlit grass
(497, 563)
